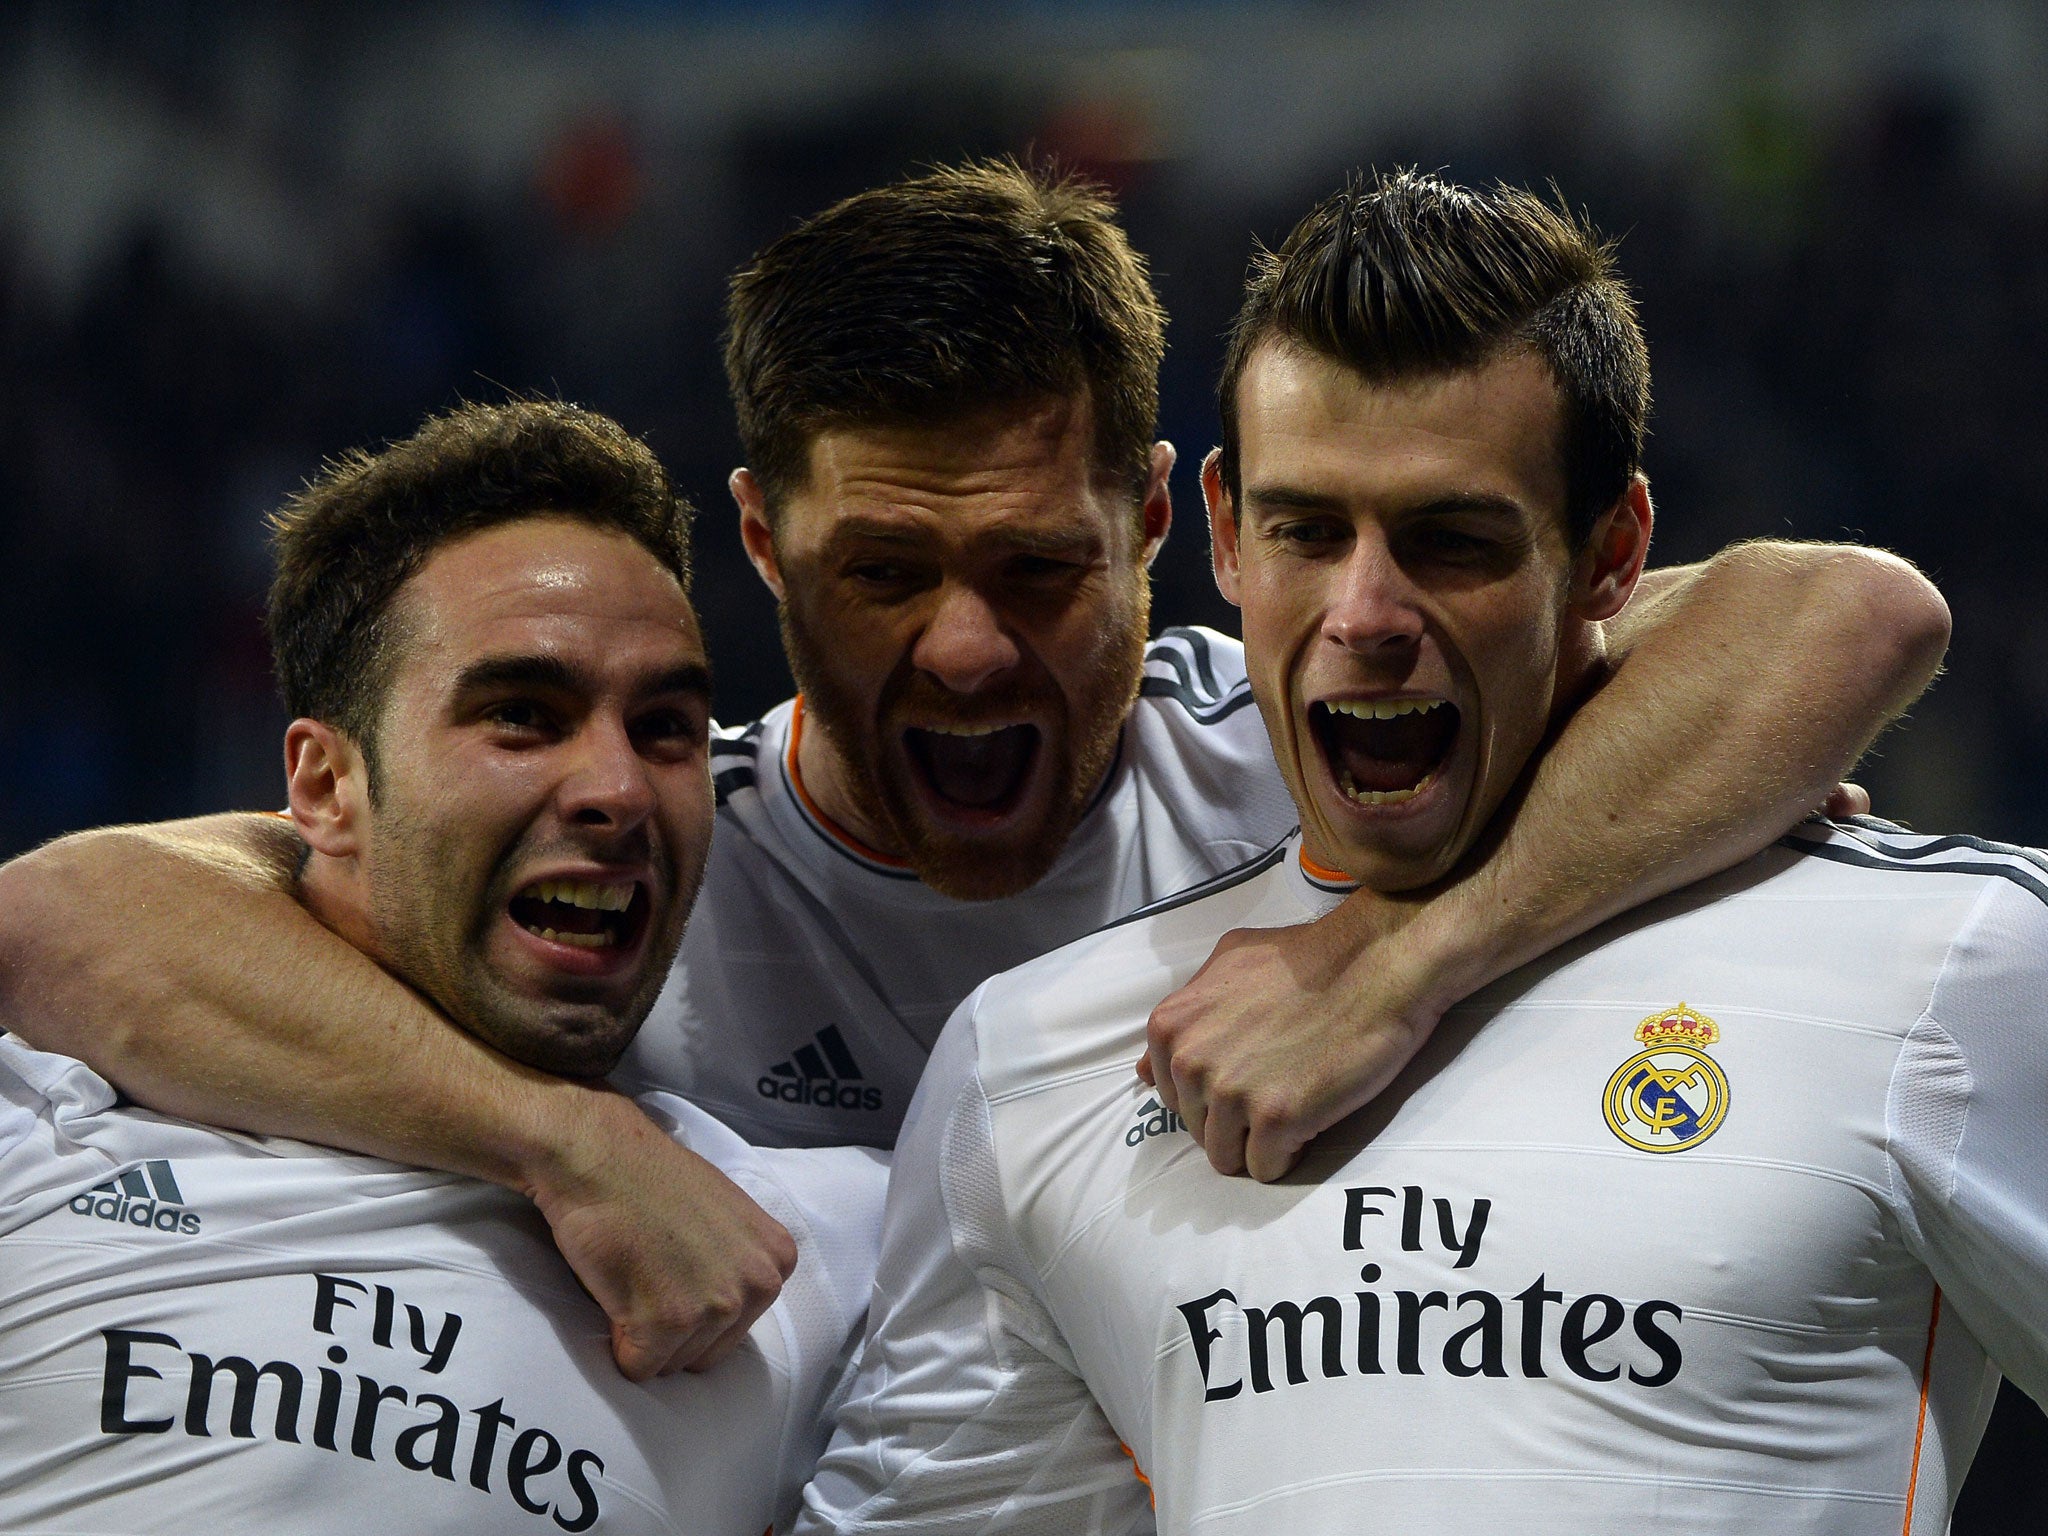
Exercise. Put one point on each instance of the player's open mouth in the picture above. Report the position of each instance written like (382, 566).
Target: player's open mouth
(584, 914)
(1384, 751)
(977, 768)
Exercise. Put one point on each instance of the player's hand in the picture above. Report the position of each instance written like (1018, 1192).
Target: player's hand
(1273, 1041)
(679, 1258)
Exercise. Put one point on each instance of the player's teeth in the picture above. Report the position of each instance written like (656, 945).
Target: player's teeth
(1380, 796)
(583, 893)
(1381, 709)
(579, 940)
(965, 730)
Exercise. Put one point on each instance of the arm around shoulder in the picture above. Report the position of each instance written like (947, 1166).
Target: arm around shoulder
(1872, 623)
(176, 961)
(112, 939)
(1733, 697)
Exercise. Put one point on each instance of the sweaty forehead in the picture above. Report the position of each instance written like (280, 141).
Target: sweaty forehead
(540, 576)
(1016, 464)
(1310, 423)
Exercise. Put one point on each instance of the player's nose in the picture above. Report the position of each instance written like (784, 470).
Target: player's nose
(1374, 606)
(606, 781)
(964, 644)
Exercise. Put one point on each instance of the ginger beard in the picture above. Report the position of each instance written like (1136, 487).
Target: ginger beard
(985, 815)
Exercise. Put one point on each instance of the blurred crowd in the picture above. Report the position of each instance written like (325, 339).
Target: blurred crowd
(1848, 318)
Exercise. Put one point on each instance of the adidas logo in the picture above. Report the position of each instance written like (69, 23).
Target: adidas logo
(823, 1073)
(1154, 1119)
(146, 1197)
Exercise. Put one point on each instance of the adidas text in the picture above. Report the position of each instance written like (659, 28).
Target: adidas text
(822, 1073)
(824, 1092)
(146, 1197)
(1159, 1122)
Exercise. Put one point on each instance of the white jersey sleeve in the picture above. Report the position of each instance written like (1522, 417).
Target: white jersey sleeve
(1967, 1117)
(970, 1412)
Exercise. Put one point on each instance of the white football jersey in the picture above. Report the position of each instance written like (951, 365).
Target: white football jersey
(815, 975)
(1719, 1220)
(201, 1331)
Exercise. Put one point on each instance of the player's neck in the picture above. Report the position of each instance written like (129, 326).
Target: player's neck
(337, 892)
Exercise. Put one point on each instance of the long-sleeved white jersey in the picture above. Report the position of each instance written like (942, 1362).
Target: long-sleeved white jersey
(815, 975)
(201, 1331)
(1721, 1219)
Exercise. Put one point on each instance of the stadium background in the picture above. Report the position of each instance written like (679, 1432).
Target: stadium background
(235, 238)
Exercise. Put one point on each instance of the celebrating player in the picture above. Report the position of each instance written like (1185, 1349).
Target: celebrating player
(946, 390)
(1715, 1220)
(499, 773)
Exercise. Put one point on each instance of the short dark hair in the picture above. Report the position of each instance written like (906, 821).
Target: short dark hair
(1405, 274)
(922, 302)
(368, 521)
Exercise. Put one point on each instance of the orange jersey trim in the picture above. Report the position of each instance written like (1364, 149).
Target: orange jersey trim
(1327, 876)
(825, 823)
(1140, 1471)
(1920, 1429)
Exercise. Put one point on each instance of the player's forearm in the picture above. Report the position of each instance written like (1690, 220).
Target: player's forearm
(174, 960)
(1743, 691)
(114, 943)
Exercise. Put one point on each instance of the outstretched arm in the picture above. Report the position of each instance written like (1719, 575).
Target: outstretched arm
(1738, 692)
(176, 962)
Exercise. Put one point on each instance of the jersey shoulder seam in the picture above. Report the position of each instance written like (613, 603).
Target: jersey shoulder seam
(1877, 845)
(1215, 885)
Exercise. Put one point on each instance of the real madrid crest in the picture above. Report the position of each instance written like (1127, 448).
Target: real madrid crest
(1670, 1095)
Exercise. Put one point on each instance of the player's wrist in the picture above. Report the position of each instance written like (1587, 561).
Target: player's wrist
(1445, 949)
(559, 1136)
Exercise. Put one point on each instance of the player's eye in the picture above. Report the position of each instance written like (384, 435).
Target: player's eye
(668, 731)
(1042, 569)
(522, 718)
(1457, 544)
(878, 573)
(1309, 535)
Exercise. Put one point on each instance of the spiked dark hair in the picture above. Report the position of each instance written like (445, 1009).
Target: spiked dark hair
(1405, 275)
(921, 302)
(368, 521)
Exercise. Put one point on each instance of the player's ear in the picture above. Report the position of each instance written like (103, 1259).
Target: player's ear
(1158, 508)
(1611, 562)
(755, 532)
(1222, 525)
(328, 781)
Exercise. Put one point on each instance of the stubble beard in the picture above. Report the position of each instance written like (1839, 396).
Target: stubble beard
(443, 952)
(1081, 739)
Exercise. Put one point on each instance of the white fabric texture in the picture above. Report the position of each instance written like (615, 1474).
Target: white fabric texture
(1479, 1306)
(206, 1331)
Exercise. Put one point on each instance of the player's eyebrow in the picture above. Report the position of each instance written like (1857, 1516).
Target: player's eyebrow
(1037, 539)
(1484, 503)
(1289, 498)
(551, 674)
(1024, 536)
(855, 529)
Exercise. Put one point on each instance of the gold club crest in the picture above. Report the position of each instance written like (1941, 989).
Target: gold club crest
(1671, 1094)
